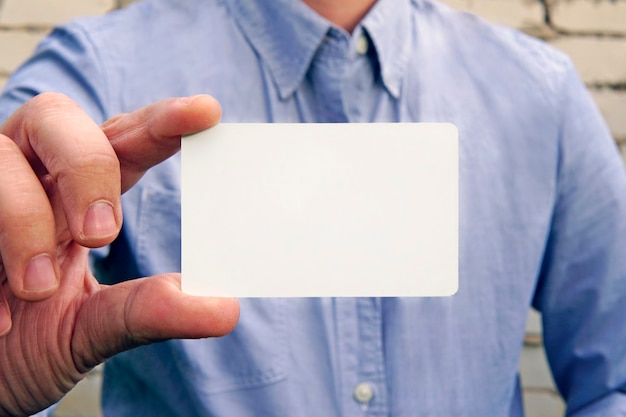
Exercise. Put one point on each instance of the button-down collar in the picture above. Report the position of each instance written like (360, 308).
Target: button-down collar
(388, 25)
(287, 33)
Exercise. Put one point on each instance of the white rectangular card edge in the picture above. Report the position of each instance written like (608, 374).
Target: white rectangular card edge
(452, 284)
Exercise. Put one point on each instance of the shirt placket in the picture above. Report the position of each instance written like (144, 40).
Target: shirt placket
(371, 391)
(361, 372)
(326, 75)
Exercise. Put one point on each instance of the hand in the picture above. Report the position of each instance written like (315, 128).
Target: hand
(60, 188)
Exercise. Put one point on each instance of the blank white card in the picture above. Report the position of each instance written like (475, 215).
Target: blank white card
(316, 210)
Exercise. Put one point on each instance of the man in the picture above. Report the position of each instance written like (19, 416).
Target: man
(542, 219)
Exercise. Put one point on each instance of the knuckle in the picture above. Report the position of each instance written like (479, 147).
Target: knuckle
(92, 164)
(8, 148)
(114, 124)
(23, 217)
(18, 178)
(46, 110)
(48, 101)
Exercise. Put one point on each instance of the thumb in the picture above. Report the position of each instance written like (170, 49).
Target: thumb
(142, 311)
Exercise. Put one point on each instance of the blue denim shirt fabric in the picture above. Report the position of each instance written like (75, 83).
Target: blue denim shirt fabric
(542, 209)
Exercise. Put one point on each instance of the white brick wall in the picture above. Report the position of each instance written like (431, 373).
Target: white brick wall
(516, 13)
(24, 22)
(592, 32)
(24, 13)
(612, 103)
(601, 61)
(589, 16)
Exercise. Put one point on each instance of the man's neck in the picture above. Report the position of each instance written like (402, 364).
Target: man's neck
(345, 13)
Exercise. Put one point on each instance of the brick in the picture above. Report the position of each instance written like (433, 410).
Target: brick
(16, 46)
(612, 104)
(533, 325)
(515, 13)
(594, 16)
(50, 12)
(599, 60)
(543, 404)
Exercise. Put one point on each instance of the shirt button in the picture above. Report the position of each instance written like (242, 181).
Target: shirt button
(363, 393)
(361, 45)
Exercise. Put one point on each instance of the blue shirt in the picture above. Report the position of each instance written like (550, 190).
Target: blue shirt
(542, 209)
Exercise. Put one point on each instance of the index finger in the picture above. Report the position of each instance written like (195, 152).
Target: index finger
(151, 134)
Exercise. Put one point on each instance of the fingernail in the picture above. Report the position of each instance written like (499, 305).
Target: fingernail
(99, 221)
(39, 275)
(187, 100)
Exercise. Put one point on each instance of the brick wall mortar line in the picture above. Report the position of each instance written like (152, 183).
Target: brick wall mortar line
(547, 12)
(547, 7)
(538, 390)
(587, 34)
(28, 27)
(615, 86)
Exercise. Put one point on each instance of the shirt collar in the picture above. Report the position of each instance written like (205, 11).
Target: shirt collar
(287, 33)
(388, 24)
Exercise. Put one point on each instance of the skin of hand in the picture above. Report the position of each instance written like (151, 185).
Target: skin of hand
(60, 195)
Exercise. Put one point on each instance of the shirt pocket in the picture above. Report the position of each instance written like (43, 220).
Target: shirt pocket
(158, 234)
(254, 354)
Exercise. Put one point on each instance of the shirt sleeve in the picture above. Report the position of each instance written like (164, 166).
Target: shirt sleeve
(581, 292)
(64, 62)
